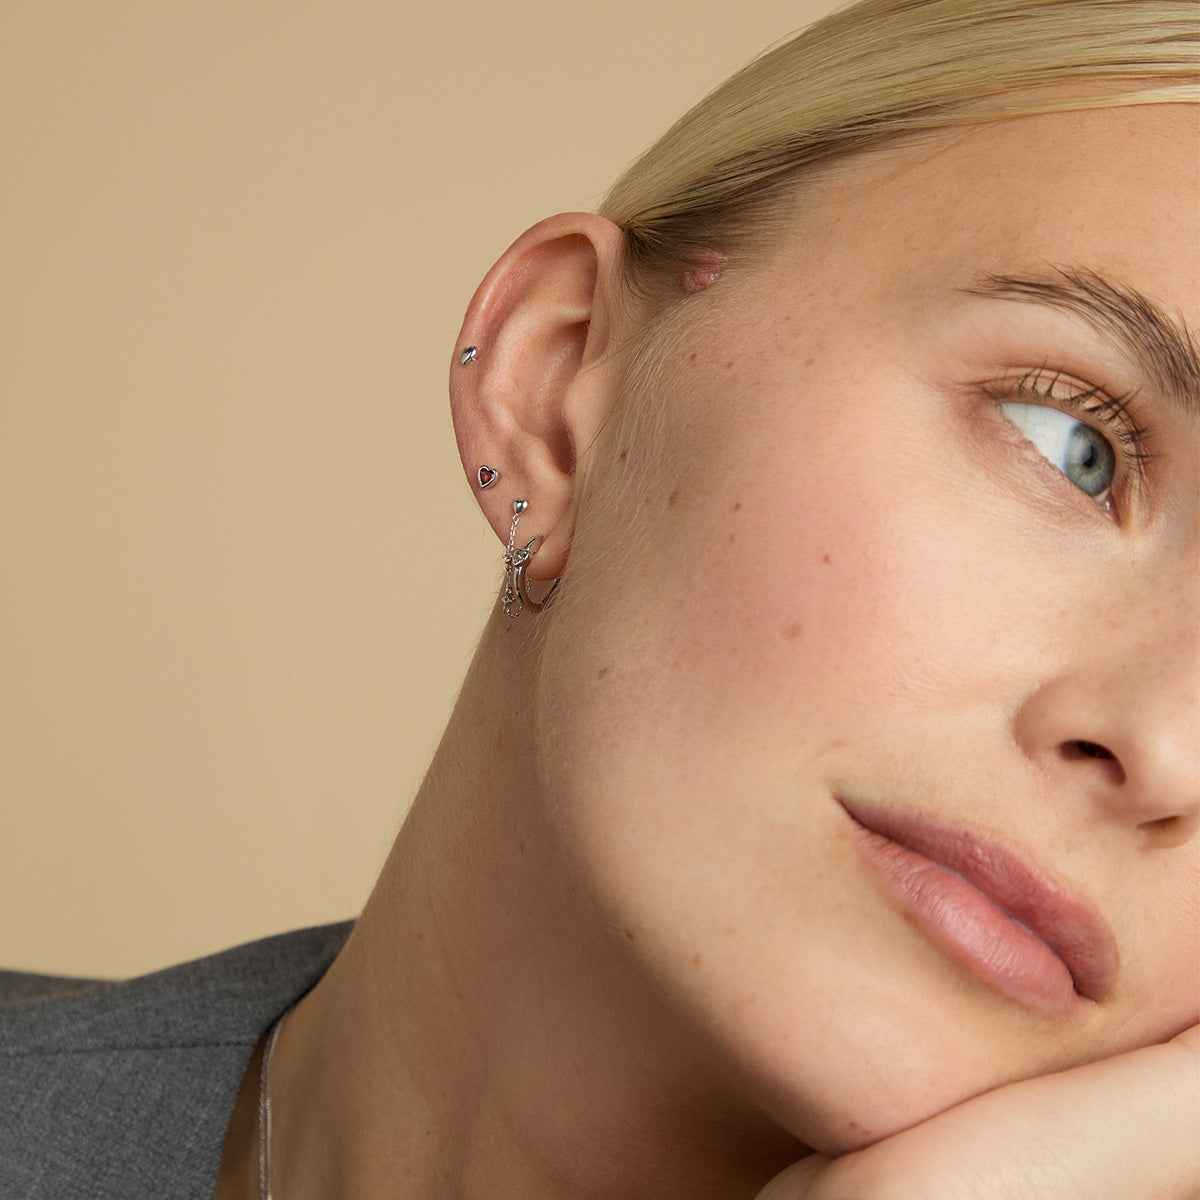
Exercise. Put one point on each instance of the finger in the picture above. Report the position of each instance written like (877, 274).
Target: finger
(800, 1181)
(1126, 1128)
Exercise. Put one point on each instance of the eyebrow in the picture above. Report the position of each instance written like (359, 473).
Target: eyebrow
(1166, 351)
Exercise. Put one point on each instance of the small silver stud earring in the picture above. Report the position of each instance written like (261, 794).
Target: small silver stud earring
(486, 476)
(468, 355)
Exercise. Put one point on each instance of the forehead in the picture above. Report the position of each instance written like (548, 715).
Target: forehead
(1114, 190)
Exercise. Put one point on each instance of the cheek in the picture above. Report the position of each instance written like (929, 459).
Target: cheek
(734, 623)
(828, 593)
(799, 577)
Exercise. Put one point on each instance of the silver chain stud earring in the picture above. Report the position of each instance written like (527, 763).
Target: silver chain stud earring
(516, 597)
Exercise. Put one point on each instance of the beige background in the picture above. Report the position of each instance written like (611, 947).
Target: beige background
(241, 570)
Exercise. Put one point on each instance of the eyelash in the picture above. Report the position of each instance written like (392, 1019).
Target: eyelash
(1115, 413)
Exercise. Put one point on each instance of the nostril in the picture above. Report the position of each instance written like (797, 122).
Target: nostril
(1079, 748)
(1167, 832)
(1082, 749)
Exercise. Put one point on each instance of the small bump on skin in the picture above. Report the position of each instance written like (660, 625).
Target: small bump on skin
(736, 507)
(732, 539)
(729, 364)
(673, 498)
(792, 632)
(702, 272)
(600, 674)
(629, 934)
(826, 559)
(695, 960)
(521, 848)
(623, 456)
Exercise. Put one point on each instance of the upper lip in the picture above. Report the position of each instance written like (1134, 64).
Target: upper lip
(1068, 925)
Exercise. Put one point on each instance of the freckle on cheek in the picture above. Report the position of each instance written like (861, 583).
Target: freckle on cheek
(826, 559)
(736, 507)
(673, 498)
(793, 631)
(600, 674)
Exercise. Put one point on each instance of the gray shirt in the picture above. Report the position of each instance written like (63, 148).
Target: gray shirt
(119, 1091)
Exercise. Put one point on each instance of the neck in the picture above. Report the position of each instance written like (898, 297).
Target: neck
(485, 1033)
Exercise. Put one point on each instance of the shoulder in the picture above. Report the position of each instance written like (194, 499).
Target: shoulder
(125, 1089)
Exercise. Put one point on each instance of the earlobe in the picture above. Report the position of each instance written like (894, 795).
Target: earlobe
(543, 313)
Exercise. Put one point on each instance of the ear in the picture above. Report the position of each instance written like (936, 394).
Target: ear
(525, 403)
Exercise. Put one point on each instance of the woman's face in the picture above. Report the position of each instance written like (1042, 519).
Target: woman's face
(916, 537)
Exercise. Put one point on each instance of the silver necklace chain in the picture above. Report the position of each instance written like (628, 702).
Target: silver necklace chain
(264, 1114)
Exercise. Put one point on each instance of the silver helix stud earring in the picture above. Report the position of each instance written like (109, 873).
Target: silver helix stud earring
(516, 597)
(486, 476)
(468, 355)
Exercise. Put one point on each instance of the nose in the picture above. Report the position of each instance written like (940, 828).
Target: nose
(1123, 729)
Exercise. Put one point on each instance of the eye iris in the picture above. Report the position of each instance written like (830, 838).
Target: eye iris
(1089, 460)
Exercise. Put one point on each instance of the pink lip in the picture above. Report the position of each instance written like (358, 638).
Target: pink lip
(992, 912)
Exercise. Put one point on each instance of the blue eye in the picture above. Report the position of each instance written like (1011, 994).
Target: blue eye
(1082, 453)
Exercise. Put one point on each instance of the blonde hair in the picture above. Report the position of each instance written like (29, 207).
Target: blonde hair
(876, 71)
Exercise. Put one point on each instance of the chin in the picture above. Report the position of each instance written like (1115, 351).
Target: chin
(849, 1115)
(861, 1072)
(850, 1122)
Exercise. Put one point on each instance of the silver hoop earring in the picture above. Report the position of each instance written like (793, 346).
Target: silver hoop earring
(516, 596)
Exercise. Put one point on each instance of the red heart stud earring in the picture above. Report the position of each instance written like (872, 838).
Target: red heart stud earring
(486, 476)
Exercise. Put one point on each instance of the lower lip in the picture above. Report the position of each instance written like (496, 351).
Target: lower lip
(965, 924)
